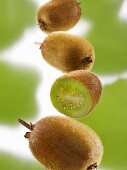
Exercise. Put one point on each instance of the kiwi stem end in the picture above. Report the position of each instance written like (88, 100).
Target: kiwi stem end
(92, 167)
(28, 126)
(89, 59)
(42, 24)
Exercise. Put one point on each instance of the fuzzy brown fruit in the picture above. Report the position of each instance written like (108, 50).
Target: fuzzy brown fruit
(68, 52)
(76, 93)
(61, 143)
(58, 15)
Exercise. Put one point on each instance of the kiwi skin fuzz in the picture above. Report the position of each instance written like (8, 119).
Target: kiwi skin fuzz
(58, 15)
(61, 143)
(90, 81)
(67, 52)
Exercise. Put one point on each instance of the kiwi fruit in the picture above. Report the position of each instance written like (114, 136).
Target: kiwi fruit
(61, 143)
(58, 15)
(76, 93)
(67, 52)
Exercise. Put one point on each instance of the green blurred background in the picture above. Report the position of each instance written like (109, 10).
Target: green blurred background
(22, 71)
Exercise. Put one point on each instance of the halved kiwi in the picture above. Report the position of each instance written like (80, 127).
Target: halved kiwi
(75, 94)
(58, 15)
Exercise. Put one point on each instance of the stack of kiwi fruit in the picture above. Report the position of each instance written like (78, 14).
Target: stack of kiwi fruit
(62, 143)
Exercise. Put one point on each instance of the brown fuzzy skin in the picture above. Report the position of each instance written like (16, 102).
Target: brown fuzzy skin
(61, 143)
(68, 52)
(90, 81)
(58, 15)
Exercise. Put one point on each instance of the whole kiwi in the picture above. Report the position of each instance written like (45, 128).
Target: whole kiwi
(58, 15)
(61, 143)
(67, 52)
(76, 93)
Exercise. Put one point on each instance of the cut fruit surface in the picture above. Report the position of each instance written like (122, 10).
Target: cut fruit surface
(70, 97)
(76, 93)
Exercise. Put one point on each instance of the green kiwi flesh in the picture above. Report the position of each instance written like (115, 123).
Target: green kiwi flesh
(58, 15)
(75, 94)
(69, 99)
(61, 143)
(67, 52)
